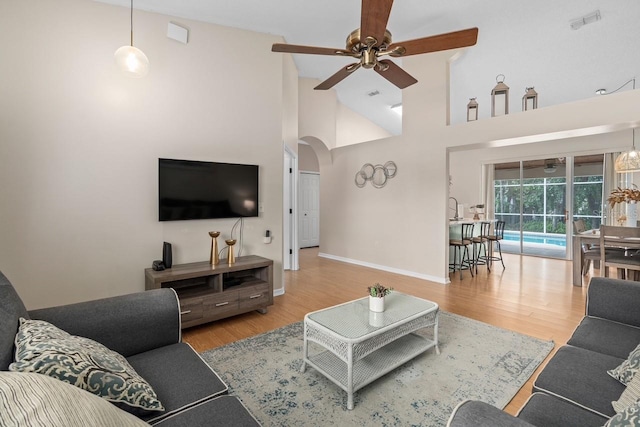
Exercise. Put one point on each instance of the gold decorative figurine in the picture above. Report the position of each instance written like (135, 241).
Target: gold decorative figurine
(230, 243)
(213, 258)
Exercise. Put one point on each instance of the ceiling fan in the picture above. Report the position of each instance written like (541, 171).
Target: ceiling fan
(372, 41)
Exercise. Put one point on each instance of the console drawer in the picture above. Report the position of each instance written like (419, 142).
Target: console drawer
(190, 309)
(220, 305)
(254, 297)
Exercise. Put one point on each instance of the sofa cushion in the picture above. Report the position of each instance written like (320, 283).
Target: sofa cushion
(11, 310)
(42, 348)
(630, 417)
(227, 411)
(604, 336)
(548, 411)
(580, 376)
(629, 396)
(28, 400)
(474, 413)
(628, 368)
(179, 376)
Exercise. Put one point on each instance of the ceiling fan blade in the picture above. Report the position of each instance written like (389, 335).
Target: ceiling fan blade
(373, 22)
(454, 40)
(396, 75)
(338, 77)
(292, 48)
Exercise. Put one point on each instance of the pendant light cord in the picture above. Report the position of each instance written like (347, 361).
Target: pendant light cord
(614, 91)
(633, 135)
(132, 25)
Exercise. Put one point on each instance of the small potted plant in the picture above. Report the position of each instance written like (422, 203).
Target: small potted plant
(377, 292)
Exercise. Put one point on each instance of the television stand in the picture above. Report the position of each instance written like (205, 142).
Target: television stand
(213, 292)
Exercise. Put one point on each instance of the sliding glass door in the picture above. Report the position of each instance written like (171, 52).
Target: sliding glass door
(589, 203)
(534, 200)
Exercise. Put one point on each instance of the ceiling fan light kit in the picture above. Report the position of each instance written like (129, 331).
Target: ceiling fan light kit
(131, 60)
(373, 41)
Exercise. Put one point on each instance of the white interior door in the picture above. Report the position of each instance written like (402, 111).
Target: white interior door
(309, 212)
(290, 199)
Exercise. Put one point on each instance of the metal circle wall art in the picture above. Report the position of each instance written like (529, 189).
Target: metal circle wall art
(378, 174)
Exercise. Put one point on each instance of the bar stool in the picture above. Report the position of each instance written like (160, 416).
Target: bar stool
(498, 234)
(480, 242)
(461, 250)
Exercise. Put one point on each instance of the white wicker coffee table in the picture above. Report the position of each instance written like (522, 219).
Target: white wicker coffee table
(358, 346)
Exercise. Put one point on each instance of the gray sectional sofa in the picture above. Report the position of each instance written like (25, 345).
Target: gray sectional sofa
(574, 388)
(145, 329)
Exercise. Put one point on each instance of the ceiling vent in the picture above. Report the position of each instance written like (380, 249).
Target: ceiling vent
(587, 19)
(374, 93)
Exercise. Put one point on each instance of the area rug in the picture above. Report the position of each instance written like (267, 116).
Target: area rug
(477, 361)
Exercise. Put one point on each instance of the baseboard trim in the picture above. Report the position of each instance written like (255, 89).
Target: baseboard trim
(439, 280)
(278, 292)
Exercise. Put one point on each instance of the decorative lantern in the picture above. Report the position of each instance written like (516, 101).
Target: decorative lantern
(472, 110)
(500, 98)
(530, 99)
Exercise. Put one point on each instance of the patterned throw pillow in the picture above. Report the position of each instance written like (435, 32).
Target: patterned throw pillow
(42, 348)
(630, 417)
(627, 369)
(630, 395)
(28, 400)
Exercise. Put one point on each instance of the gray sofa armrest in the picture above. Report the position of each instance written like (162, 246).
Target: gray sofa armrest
(614, 299)
(128, 324)
(472, 413)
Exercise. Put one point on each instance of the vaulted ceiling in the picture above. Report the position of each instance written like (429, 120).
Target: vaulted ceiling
(532, 43)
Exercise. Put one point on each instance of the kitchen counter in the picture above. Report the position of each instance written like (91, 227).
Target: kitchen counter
(468, 221)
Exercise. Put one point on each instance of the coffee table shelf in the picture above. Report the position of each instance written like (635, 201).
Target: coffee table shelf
(372, 366)
(359, 347)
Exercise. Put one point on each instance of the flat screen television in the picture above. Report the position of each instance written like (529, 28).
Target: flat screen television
(204, 190)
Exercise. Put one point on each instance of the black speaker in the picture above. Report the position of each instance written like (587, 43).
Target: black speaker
(166, 255)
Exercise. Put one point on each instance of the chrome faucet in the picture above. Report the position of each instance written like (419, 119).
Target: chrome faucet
(456, 217)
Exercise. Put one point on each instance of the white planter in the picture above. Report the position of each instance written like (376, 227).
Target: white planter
(376, 319)
(376, 304)
(632, 214)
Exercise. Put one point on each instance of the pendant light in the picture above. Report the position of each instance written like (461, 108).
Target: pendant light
(628, 161)
(131, 60)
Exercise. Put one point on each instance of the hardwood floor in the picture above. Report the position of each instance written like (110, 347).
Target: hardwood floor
(532, 295)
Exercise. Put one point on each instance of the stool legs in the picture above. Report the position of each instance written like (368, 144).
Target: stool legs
(478, 257)
(461, 260)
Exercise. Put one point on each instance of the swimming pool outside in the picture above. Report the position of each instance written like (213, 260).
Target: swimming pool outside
(539, 238)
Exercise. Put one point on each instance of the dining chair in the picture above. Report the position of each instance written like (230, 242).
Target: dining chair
(586, 253)
(579, 226)
(626, 260)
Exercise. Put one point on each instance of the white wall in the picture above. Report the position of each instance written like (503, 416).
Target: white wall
(404, 226)
(307, 159)
(317, 112)
(79, 143)
(353, 128)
